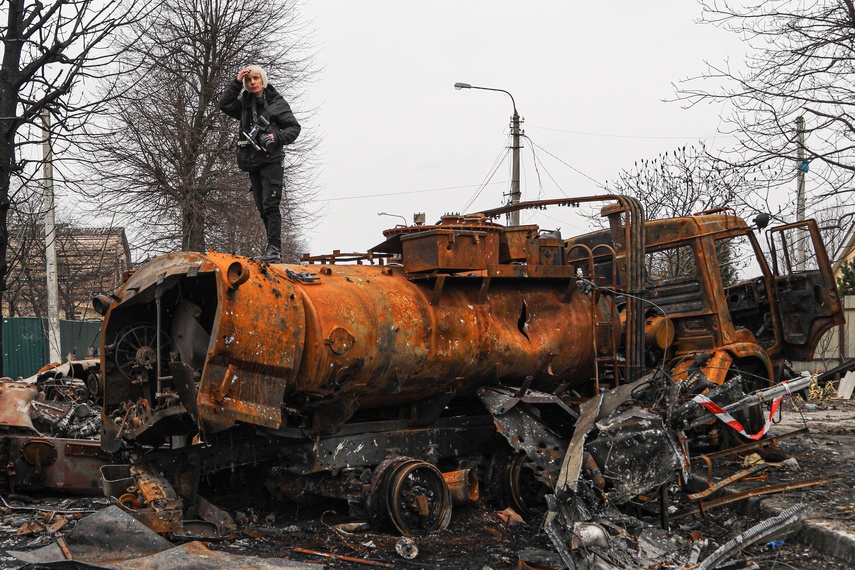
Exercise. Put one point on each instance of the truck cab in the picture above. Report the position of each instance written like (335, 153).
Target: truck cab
(708, 284)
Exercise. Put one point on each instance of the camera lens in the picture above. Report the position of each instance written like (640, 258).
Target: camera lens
(265, 142)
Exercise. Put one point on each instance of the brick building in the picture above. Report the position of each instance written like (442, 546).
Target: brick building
(89, 261)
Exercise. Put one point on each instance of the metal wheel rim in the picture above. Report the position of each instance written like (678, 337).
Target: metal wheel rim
(413, 482)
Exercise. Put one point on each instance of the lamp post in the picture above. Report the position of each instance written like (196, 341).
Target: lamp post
(515, 157)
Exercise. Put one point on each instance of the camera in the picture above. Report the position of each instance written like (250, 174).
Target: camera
(257, 135)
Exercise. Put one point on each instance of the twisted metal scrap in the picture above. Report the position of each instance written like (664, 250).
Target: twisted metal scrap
(756, 533)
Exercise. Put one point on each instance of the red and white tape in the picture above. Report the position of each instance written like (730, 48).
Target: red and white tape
(716, 410)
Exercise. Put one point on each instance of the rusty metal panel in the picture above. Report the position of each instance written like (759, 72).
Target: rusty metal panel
(255, 351)
(545, 251)
(450, 251)
(513, 243)
(15, 398)
(56, 463)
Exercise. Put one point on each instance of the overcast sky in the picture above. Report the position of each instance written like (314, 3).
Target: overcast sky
(588, 78)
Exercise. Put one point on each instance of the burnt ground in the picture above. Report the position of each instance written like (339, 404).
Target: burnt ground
(479, 538)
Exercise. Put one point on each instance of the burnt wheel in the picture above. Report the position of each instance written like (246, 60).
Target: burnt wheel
(512, 483)
(525, 493)
(411, 496)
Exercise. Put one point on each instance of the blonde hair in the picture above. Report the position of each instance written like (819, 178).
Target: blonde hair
(253, 69)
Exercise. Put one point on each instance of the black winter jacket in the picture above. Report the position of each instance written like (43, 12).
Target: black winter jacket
(238, 103)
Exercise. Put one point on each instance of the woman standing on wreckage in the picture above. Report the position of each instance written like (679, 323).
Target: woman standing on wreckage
(266, 125)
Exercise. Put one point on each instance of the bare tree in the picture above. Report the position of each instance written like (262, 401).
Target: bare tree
(800, 63)
(241, 230)
(168, 161)
(25, 293)
(49, 50)
(680, 182)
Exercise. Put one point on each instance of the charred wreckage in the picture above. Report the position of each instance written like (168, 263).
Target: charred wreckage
(578, 377)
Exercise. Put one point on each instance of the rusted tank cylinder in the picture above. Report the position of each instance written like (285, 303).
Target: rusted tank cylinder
(372, 333)
(342, 337)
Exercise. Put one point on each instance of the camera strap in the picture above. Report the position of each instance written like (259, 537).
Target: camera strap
(254, 106)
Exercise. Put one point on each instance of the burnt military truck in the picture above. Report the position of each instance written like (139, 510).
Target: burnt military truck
(386, 379)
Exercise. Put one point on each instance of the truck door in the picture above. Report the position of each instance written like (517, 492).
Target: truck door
(807, 300)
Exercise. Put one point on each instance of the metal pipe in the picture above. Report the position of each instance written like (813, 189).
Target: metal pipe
(758, 397)
(462, 485)
(157, 340)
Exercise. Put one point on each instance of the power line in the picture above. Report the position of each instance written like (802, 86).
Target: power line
(611, 136)
(493, 169)
(537, 161)
(571, 167)
(410, 192)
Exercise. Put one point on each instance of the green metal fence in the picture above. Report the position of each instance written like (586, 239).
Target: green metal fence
(25, 345)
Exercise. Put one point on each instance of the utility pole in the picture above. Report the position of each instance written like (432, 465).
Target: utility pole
(513, 217)
(800, 193)
(50, 246)
(515, 171)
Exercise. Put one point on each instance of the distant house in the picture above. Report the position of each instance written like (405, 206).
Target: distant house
(89, 261)
(846, 253)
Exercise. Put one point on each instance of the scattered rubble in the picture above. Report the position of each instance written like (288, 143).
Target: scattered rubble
(114, 540)
(604, 531)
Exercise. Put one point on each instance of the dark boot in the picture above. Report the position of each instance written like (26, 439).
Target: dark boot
(271, 255)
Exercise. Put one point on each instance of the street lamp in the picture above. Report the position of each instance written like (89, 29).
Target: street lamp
(394, 216)
(515, 171)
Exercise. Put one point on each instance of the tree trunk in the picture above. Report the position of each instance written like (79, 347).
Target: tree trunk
(192, 230)
(7, 160)
(10, 75)
(7, 165)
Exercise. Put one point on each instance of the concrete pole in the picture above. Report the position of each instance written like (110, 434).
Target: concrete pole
(800, 194)
(515, 172)
(50, 246)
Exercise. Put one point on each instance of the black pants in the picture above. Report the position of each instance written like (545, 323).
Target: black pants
(266, 183)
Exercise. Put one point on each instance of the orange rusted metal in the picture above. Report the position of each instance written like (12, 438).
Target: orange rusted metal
(715, 370)
(462, 485)
(702, 506)
(152, 501)
(451, 318)
(14, 411)
(659, 331)
(370, 333)
(736, 477)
